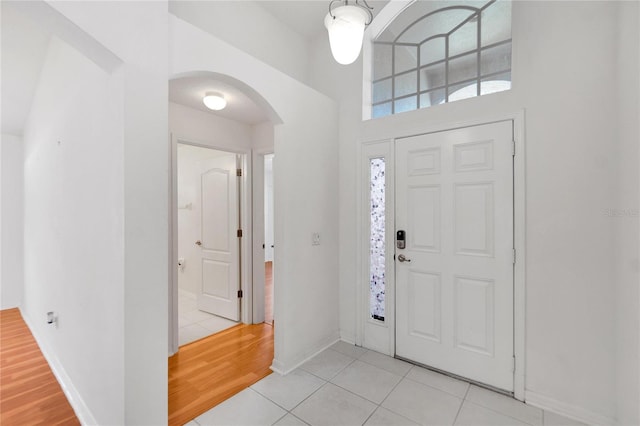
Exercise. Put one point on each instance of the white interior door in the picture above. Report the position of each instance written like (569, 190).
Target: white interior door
(219, 245)
(454, 291)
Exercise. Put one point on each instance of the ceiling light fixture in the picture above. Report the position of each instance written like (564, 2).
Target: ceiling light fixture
(345, 25)
(214, 101)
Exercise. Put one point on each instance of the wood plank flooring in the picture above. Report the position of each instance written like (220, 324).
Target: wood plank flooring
(268, 292)
(208, 371)
(29, 392)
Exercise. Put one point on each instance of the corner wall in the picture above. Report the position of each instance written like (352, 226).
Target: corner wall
(73, 229)
(96, 220)
(12, 181)
(11, 260)
(625, 216)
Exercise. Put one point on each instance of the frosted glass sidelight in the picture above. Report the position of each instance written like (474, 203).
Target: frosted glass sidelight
(377, 238)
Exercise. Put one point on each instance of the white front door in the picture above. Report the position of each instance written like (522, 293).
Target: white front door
(219, 245)
(454, 290)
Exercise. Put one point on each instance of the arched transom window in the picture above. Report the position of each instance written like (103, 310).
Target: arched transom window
(440, 51)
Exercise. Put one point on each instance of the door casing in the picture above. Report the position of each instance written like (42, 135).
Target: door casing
(246, 252)
(366, 150)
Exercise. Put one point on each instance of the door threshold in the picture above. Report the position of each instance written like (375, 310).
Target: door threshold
(455, 376)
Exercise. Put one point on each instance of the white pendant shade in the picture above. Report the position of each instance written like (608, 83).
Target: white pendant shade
(214, 101)
(346, 31)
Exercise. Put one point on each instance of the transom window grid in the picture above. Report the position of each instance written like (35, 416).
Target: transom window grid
(403, 100)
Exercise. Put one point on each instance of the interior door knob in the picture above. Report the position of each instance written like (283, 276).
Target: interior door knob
(198, 243)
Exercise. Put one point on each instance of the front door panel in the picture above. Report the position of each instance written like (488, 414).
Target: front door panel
(454, 295)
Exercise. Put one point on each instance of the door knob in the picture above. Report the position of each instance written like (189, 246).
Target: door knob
(401, 258)
(198, 243)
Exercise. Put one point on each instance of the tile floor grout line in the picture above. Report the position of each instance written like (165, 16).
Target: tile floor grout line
(462, 401)
(388, 371)
(438, 389)
(363, 397)
(309, 396)
(266, 397)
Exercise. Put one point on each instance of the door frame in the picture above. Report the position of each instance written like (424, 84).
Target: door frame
(365, 148)
(245, 252)
(258, 234)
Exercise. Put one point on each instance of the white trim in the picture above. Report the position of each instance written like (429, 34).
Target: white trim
(284, 368)
(80, 408)
(519, 242)
(246, 251)
(567, 410)
(258, 283)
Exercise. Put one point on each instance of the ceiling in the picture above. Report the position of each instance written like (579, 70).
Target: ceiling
(25, 43)
(189, 91)
(306, 17)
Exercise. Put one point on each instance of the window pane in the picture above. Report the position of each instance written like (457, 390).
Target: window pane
(381, 61)
(382, 91)
(464, 39)
(495, 59)
(463, 91)
(406, 58)
(406, 84)
(406, 104)
(498, 83)
(496, 22)
(377, 238)
(460, 44)
(432, 51)
(381, 110)
(432, 98)
(431, 77)
(463, 68)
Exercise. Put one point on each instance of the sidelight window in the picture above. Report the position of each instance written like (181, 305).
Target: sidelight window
(377, 238)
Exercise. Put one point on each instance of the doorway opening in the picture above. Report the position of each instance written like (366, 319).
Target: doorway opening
(268, 239)
(209, 261)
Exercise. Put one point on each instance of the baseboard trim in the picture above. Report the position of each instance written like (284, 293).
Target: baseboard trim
(567, 410)
(73, 396)
(284, 369)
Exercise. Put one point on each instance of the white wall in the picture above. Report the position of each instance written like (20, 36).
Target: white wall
(96, 215)
(203, 128)
(626, 227)
(262, 136)
(73, 225)
(250, 28)
(306, 181)
(11, 178)
(564, 72)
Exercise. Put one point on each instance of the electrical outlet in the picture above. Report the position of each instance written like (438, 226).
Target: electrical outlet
(315, 239)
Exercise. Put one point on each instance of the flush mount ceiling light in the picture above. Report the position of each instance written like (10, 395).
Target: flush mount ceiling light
(345, 24)
(214, 101)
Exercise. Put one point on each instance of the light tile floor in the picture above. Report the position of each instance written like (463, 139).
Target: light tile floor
(347, 385)
(195, 324)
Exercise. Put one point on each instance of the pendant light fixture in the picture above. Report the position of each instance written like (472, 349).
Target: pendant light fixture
(345, 24)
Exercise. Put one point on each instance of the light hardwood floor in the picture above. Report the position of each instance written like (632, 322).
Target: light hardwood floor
(208, 371)
(268, 292)
(29, 392)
